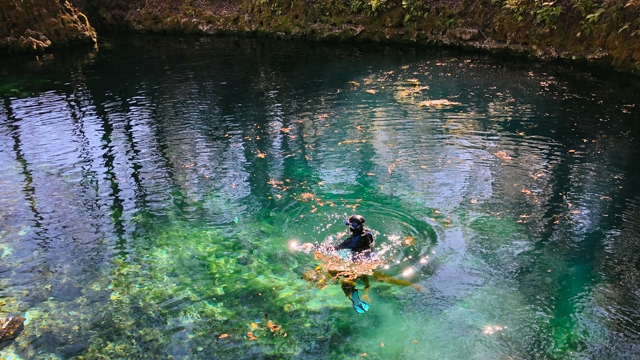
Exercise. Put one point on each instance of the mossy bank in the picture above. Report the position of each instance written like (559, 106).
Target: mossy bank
(606, 33)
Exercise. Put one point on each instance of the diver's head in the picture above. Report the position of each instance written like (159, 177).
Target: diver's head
(355, 223)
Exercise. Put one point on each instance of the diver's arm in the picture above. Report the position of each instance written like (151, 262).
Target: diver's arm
(345, 244)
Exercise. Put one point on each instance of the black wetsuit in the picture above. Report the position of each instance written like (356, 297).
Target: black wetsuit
(357, 242)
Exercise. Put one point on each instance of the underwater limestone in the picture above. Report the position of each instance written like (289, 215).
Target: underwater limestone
(10, 328)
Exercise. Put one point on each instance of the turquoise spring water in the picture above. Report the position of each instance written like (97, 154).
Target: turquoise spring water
(150, 192)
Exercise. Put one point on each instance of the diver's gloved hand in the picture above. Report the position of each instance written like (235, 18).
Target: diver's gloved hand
(306, 247)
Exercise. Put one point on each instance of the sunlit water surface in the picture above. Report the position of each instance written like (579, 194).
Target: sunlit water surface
(149, 193)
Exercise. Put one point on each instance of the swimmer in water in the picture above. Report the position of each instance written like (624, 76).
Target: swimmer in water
(360, 245)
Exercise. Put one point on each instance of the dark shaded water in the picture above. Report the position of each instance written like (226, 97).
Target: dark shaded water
(149, 193)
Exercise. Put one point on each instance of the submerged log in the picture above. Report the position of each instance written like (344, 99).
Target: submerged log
(10, 328)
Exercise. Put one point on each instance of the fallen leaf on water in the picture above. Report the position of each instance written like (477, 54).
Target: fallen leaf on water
(441, 102)
(413, 81)
(251, 337)
(353, 83)
(371, 91)
(371, 174)
(261, 154)
(223, 336)
(575, 212)
(273, 326)
(381, 344)
(503, 155)
(362, 355)
(254, 325)
(473, 201)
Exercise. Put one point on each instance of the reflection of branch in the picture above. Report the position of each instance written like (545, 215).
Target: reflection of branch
(28, 187)
(393, 166)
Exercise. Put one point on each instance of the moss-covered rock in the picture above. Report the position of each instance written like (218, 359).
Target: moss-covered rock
(33, 26)
(605, 33)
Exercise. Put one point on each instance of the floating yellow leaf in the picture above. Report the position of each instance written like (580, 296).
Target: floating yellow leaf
(409, 240)
(437, 103)
(223, 336)
(354, 83)
(254, 325)
(503, 155)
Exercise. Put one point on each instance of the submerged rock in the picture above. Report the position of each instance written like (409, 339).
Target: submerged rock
(10, 328)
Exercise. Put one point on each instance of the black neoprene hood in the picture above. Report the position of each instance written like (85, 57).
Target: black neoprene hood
(358, 219)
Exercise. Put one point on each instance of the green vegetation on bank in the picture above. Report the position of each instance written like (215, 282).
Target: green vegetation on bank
(596, 31)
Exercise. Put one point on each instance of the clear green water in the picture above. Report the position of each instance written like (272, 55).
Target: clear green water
(149, 193)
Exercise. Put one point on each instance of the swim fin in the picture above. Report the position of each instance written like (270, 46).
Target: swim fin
(358, 305)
